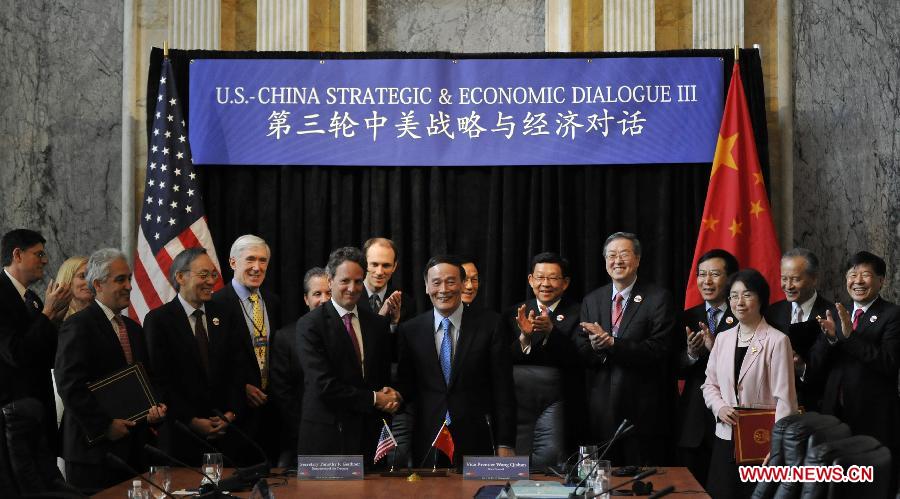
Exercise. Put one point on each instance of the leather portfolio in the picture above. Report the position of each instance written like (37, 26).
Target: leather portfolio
(124, 394)
(753, 435)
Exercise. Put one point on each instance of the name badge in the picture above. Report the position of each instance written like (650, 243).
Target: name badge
(330, 467)
(495, 468)
(260, 341)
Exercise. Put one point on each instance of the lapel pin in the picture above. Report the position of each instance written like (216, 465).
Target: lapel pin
(215, 321)
(638, 299)
(753, 349)
(729, 320)
(35, 304)
(560, 318)
(873, 318)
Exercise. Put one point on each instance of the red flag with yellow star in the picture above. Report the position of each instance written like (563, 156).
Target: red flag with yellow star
(736, 216)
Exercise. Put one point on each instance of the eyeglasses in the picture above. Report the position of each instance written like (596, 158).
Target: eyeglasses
(747, 295)
(552, 279)
(864, 275)
(625, 255)
(205, 274)
(715, 274)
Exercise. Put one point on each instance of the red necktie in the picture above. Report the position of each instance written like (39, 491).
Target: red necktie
(122, 333)
(617, 313)
(348, 325)
(856, 316)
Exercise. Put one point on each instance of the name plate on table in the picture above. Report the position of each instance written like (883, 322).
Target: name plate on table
(495, 468)
(330, 467)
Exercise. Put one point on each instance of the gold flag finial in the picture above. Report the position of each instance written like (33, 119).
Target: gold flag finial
(737, 52)
(165, 48)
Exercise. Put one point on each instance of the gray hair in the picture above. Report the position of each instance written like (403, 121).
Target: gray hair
(345, 254)
(182, 263)
(313, 272)
(812, 261)
(98, 265)
(245, 242)
(623, 235)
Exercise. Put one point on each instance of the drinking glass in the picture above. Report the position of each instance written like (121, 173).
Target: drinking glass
(212, 466)
(160, 475)
(598, 481)
(586, 454)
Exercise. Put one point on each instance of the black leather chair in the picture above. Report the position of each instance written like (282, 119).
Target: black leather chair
(766, 490)
(860, 450)
(540, 416)
(26, 452)
(808, 430)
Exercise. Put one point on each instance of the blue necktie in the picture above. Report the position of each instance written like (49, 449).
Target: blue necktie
(711, 320)
(445, 356)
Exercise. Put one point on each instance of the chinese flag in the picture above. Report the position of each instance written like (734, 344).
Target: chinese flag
(444, 441)
(736, 216)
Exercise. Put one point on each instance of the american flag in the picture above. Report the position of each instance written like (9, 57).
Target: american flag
(386, 442)
(172, 215)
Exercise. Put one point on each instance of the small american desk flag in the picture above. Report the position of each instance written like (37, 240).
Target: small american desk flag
(386, 442)
(172, 214)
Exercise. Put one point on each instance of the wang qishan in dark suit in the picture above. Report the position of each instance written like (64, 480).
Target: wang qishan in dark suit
(345, 377)
(627, 369)
(480, 386)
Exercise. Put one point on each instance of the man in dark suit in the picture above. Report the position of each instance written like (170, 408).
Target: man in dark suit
(285, 373)
(193, 352)
(345, 354)
(858, 356)
(260, 313)
(454, 366)
(93, 344)
(696, 429)
(626, 343)
(381, 297)
(27, 333)
(796, 316)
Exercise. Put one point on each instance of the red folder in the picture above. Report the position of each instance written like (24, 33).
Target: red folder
(753, 435)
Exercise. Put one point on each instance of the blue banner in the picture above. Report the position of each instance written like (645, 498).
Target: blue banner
(438, 112)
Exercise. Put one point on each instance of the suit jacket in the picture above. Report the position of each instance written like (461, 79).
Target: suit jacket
(694, 423)
(862, 370)
(187, 389)
(480, 385)
(286, 381)
(809, 389)
(89, 350)
(27, 351)
(632, 379)
(338, 412)
(227, 299)
(765, 379)
(406, 303)
(556, 349)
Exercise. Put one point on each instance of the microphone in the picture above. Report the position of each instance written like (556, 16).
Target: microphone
(203, 442)
(487, 419)
(623, 429)
(257, 470)
(210, 489)
(640, 476)
(118, 462)
(664, 492)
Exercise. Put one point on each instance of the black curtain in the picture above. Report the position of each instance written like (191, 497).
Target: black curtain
(499, 215)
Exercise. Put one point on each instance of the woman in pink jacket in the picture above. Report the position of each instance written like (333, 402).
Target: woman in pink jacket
(750, 365)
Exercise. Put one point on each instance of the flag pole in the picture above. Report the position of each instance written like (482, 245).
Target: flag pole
(737, 52)
(166, 49)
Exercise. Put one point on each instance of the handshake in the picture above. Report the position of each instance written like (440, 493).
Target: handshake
(388, 400)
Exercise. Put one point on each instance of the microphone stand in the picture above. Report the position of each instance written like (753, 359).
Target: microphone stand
(210, 490)
(125, 466)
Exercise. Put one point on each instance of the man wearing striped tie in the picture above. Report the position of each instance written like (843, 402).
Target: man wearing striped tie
(94, 343)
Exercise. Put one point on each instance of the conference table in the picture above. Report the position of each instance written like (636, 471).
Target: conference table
(376, 486)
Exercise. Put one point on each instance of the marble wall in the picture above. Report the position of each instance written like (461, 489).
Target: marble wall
(847, 134)
(456, 25)
(60, 114)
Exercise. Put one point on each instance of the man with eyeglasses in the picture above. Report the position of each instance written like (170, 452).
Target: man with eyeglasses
(27, 330)
(858, 356)
(796, 316)
(194, 350)
(626, 341)
(541, 330)
(696, 430)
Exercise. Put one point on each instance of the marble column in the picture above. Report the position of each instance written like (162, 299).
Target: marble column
(558, 25)
(282, 25)
(353, 25)
(195, 24)
(718, 24)
(846, 135)
(629, 25)
(60, 131)
(456, 25)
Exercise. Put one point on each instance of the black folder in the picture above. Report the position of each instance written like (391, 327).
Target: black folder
(124, 394)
